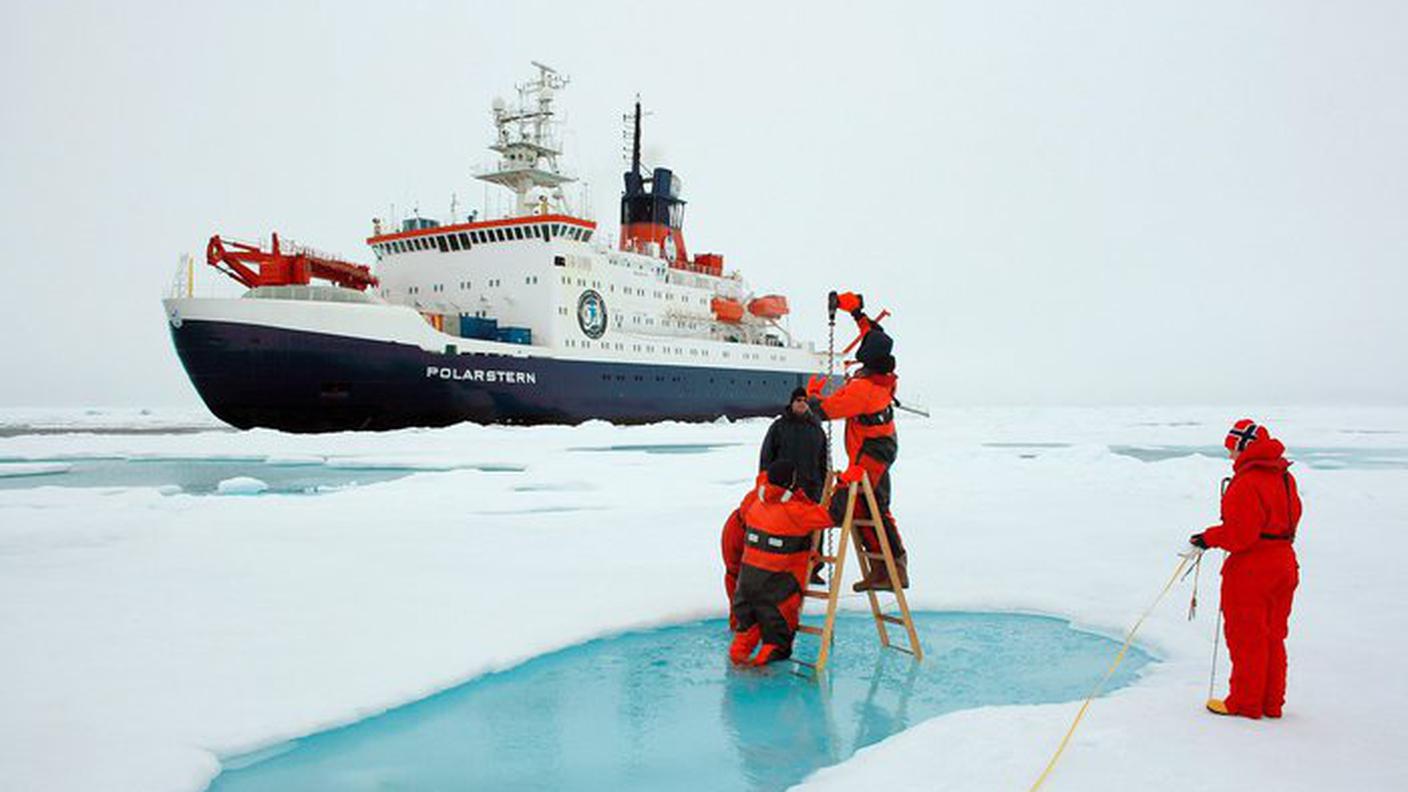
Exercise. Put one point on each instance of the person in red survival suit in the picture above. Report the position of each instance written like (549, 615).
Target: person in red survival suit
(1260, 511)
(866, 401)
(777, 559)
(732, 540)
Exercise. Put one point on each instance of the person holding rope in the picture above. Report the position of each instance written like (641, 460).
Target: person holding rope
(1261, 509)
(866, 401)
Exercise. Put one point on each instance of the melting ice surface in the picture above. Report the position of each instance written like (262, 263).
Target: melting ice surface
(202, 476)
(661, 709)
(1321, 458)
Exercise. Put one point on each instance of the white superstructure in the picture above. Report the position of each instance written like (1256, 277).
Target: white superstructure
(544, 270)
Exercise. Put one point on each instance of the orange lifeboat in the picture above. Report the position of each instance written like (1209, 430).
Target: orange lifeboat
(769, 306)
(726, 310)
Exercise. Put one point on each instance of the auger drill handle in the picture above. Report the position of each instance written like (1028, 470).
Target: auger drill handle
(850, 302)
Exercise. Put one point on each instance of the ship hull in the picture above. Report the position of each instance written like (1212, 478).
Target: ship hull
(294, 380)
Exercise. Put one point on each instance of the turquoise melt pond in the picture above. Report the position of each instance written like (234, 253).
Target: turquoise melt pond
(662, 709)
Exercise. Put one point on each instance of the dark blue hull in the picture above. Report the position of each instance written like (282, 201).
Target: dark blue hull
(251, 376)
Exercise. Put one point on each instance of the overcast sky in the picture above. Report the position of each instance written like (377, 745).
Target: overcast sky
(1062, 203)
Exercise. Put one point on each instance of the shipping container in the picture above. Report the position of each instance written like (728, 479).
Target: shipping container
(516, 335)
(478, 327)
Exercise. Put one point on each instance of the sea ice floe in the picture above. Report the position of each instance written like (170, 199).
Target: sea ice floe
(241, 485)
(19, 469)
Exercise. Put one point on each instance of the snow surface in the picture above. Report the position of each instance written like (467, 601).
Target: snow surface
(144, 636)
(241, 485)
(27, 469)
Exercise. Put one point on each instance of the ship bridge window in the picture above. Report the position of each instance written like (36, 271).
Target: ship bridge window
(464, 240)
(586, 236)
(499, 234)
(517, 232)
(557, 229)
(442, 244)
(454, 242)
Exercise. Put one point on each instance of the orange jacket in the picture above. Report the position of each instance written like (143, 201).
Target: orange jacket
(866, 402)
(778, 530)
(732, 539)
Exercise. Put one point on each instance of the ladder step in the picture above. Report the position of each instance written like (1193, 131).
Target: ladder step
(870, 523)
(873, 556)
(899, 648)
(891, 619)
(827, 559)
(803, 663)
(817, 594)
(808, 629)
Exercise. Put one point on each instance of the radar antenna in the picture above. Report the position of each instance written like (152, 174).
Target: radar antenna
(528, 145)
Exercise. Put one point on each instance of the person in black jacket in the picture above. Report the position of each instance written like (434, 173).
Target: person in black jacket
(797, 436)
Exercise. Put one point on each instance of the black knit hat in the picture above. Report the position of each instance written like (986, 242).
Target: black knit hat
(782, 473)
(797, 393)
(874, 352)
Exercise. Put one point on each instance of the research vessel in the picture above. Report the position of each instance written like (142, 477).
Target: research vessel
(529, 317)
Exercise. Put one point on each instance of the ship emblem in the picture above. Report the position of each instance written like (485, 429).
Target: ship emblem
(591, 314)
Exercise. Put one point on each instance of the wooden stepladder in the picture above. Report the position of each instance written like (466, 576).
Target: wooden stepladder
(866, 559)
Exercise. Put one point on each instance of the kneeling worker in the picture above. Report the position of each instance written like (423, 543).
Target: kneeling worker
(777, 555)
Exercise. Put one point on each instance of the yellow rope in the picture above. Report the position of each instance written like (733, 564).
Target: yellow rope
(1119, 658)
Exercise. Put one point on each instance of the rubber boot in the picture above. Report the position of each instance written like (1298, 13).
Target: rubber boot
(743, 645)
(770, 653)
(874, 579)
(901, 565)
(1218, 706)
(879, 577)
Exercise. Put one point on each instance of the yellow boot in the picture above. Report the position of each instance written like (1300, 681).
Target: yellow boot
(1218, 706)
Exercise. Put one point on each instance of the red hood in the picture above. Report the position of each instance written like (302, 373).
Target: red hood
(1266, 453)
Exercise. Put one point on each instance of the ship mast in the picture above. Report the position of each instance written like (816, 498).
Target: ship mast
(528, 146)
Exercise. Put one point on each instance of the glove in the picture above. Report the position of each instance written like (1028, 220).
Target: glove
(815, 385)
(850, 302)
(1194, 548)
(852, 474)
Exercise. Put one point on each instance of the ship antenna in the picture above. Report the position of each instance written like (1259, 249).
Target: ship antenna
(635, 140)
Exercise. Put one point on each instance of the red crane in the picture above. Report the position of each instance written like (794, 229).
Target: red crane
(276, 268)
